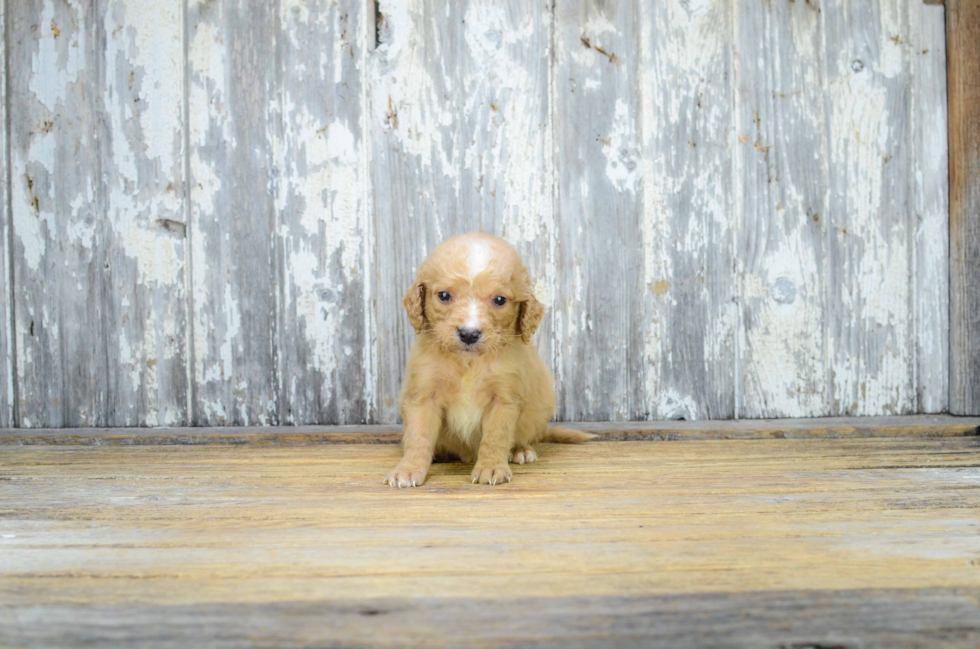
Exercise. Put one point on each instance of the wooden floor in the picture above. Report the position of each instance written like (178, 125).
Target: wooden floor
(794, 543)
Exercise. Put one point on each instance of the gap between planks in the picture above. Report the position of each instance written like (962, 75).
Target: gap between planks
(744, 429)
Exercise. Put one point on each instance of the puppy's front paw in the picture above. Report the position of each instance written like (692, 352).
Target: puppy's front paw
(491, 474)
(406, 475)
(524, 455)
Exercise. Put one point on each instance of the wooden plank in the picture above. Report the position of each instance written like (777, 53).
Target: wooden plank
(232, 94)
(415, 100)
(123, 528)
(683, 322)
(781, 179)
(597, 139)
(7, 396)
(930, 174)
(503, 65)
(963, 68)
(326, 365)
(59, 238)
(670, 430)
(142, 175)
(870, 241)
(936, 617)
(461, 140)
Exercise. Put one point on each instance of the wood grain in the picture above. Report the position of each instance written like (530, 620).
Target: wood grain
(462, 141)
(145, 229)
(963, 51)
(930, 174)
(872, 618)
(213, 211)
(684, 325)
(7, 383)
(96, 534)
(322, 205)
(870, 242)
(232, 99)
(503, 72)
(415, 165)
(780, 160)
(670, 430)
(599, 180)
(60, 250)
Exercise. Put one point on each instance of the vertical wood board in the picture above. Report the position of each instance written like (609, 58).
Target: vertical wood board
(506, 170)
(963, 51)
(684, 329)
(7, 396)
(415, 99)
(59, 239)
(869, 241)
(322, 202)
(232, 98)
(142, 166)
(780, 151)
(930, 214)
(598, 171)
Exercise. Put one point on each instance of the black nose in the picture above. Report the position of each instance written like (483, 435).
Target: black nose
(468, 336)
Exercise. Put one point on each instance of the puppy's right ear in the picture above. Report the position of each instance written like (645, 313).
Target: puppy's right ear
(414, 304)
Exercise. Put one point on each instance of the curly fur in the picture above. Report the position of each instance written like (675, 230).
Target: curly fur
(487, 402)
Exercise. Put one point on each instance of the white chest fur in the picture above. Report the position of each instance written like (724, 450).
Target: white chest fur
(464, 415)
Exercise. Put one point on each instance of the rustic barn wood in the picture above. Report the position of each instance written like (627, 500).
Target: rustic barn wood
(232, 99)
(61, 254)
(598, 176)
(670, 430)
(930, 210)
(143, 218)
(322, 204)
(7, 383)
(963, 52)
(793, 543)
(731, 210)
(870, 341)
(796, 619)
(684, 315)
(782, 184)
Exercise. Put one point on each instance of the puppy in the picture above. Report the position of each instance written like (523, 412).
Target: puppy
(475, 387)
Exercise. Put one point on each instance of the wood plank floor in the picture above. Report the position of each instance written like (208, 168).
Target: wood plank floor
(736, 543)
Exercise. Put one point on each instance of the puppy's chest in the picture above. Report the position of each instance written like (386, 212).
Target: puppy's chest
(466, 405)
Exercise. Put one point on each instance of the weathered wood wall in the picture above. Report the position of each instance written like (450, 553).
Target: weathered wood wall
(963, 34)
(212, 208)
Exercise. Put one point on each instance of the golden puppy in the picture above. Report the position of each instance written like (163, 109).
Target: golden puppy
(475, 387)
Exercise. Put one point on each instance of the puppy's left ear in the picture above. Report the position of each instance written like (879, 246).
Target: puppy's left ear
(530, 312)
(529, 317)
(414, 303)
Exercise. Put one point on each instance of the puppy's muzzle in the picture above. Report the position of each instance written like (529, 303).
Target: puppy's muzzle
(469, 336)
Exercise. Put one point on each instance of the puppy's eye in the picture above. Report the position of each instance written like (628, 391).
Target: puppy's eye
(444, 296)
(500, 300)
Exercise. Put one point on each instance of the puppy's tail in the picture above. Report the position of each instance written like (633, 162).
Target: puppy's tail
(562, 435)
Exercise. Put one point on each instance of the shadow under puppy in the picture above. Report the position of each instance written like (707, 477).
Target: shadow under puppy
(475, 387)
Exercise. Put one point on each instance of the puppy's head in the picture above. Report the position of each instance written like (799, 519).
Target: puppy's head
(474, 295)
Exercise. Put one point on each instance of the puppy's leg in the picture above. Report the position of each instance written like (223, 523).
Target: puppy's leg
(530, 428)
(422, 424)
(498, 438)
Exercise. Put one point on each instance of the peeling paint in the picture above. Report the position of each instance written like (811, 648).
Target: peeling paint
(57, 62)
(718, 223)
